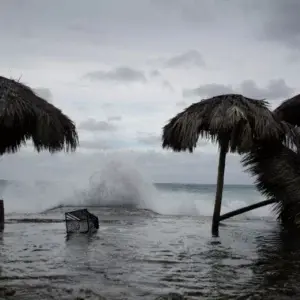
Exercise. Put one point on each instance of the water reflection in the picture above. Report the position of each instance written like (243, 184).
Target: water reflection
(218, 254)
(276, 272)
(1, 254)
(79, 251)
(78, 238)
(142, 258)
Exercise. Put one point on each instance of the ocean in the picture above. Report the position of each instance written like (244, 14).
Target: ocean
(154, 239)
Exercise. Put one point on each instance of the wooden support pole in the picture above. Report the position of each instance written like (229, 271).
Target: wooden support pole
(245, 209)
(1, 215)
(219, 190)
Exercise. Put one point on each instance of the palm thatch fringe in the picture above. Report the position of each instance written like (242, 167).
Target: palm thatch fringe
(24, 115)
(277, 172)
(241, 120)
(277, 167)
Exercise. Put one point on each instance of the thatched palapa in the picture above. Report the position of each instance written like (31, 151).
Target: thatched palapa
(235, 122)
(24, 115)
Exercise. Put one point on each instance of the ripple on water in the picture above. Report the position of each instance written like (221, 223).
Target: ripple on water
(143, 257)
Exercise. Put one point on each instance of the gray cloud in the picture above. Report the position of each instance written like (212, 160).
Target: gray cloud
(155, 73)
(44, 93)
(181, 103)
(167, 85)
(120, 74)
(87, 37)
(101, 22)
(94, 125)
(114, 118)
(149, 138)
(190, 58)
(209, 90)
(94, 145)
(275, 89)
(107, 105)
(281, 22)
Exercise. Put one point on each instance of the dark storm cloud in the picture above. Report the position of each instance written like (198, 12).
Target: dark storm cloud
(281, 21)
(121, 74)
(190, 58)
(147, 24)
(79, 17)
(275, 89)
(44, 93)
(93, 125)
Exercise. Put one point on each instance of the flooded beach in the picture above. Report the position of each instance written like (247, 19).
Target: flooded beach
(138, 254)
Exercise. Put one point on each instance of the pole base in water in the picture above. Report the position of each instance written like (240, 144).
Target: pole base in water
(217, 220)
(1, 215)
(215, 228)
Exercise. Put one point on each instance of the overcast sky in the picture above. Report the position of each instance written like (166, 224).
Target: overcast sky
(121, 69)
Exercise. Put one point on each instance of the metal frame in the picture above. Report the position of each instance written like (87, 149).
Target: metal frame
(70, 217)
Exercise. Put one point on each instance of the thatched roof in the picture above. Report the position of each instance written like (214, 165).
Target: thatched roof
(289, 110)
(241, 120)
(24, 115)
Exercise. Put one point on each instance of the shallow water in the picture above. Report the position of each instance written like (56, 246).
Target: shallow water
(137, 254)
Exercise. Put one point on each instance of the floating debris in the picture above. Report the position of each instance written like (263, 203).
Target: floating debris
(81, 221)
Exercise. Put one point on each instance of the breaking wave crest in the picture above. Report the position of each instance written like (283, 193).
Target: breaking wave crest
(120, 184)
